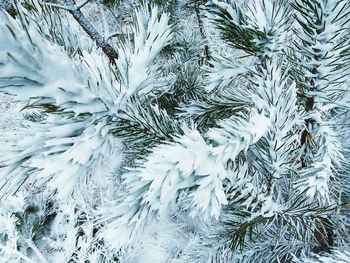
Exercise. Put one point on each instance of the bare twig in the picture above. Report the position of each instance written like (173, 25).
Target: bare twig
(206, 52)
(74, 10)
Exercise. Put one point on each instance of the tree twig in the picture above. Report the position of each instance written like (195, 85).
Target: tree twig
(74, 10)
(206, 51)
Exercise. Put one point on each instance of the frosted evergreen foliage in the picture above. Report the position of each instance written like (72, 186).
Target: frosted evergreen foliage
(261, 25)
(85, 105)
(337, 256)
(184, 146)
(323, 70)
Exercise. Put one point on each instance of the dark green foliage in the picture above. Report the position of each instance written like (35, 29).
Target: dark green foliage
(232, 28)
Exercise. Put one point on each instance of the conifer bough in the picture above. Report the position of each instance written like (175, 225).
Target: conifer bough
(159, 158)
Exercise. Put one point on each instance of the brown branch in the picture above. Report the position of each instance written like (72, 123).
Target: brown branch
(206, 51)
(74, 10)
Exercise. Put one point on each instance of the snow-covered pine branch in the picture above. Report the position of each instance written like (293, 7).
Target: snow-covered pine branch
(171, 172)
(322, 46)
(159, 156)
(83, 97)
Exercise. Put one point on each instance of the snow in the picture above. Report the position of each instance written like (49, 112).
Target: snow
(103, 156)
(137, 57)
